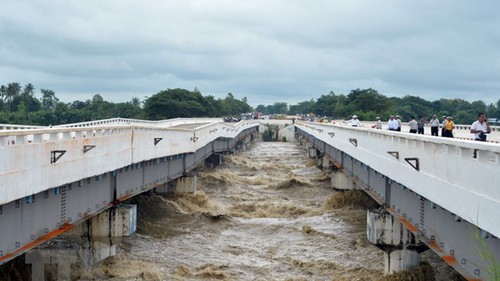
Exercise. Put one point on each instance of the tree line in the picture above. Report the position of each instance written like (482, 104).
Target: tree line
(20, 105)
(368, 104)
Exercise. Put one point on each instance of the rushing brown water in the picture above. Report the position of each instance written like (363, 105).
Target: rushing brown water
(265, 214)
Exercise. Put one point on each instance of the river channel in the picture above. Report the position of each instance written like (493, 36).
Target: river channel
(266, 213)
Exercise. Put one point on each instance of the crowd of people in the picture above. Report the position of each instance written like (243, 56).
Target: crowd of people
(479, 128)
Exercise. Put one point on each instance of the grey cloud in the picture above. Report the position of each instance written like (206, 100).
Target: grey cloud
(265, 50)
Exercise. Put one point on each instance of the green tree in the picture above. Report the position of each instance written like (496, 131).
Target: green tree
(279, 108)
(367, 100)
(29, 89)
(49, 99)
(136, 101)
(3, 92)
(127, 110)
(464, 117)
(478, 106)
(414, 106)
(25, 103)
(263, 109)
(303, 107)
(174, 103)
(340, 109)
(233, 106)
(493, 110)
(325, 104)
(13, 90)
(212, 106)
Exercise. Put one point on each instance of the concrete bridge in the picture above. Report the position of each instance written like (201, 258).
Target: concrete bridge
(52, 179)
(434, 192)
(438, 192)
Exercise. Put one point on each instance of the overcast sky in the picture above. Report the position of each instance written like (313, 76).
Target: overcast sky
(265, 50)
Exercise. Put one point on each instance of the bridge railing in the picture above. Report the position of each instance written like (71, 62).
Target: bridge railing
(35, 160)
(108, 122)
(459, 175)
(5, 127)
(138, 122)
(460, 131)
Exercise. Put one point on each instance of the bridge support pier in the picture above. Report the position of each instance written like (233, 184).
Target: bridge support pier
(186, 184)
(68, 257)
(120, 221)
(214, 160)
(402, 249)
(340, 181)
(311, 150)
(397, 260)
(77, 250)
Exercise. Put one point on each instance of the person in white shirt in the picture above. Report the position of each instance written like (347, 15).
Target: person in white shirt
(434, 123)
(443, 125)
(354, 121)
(399, 123)
(480, 127)
(413, 125)
(379, 124)
(392, 124)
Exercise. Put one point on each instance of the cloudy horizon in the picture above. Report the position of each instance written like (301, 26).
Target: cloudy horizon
(267, 51)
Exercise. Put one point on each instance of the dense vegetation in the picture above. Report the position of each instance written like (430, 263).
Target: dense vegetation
(19, 105)
(368, 104)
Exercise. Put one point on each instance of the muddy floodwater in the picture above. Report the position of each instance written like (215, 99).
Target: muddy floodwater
(264, 214)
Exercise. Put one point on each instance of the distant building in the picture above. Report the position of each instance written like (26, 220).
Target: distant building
(494, 121)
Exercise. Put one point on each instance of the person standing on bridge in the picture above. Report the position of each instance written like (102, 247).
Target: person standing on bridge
(413, 125)
(480, 127)
(354, 121)
(434, 125)
(399, 123)
(443, 124)
(379, 124)
(392, 124)
(448, 127)
(421, 124)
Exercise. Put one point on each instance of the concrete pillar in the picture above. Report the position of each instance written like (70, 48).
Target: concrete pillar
(86, 244)
(186, 184)
(402, 249)
(339, 180)
(64, 258)
(325, 163)
(312, 152)
(398, 260)
(69, 258)
(214, 160)
(120, 221)
(167, 188)
(183, 184)
(97, 250)
(38, 260)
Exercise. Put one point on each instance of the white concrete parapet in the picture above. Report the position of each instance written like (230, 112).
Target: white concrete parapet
(447, 173)
(18, 127)
(127, 121)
